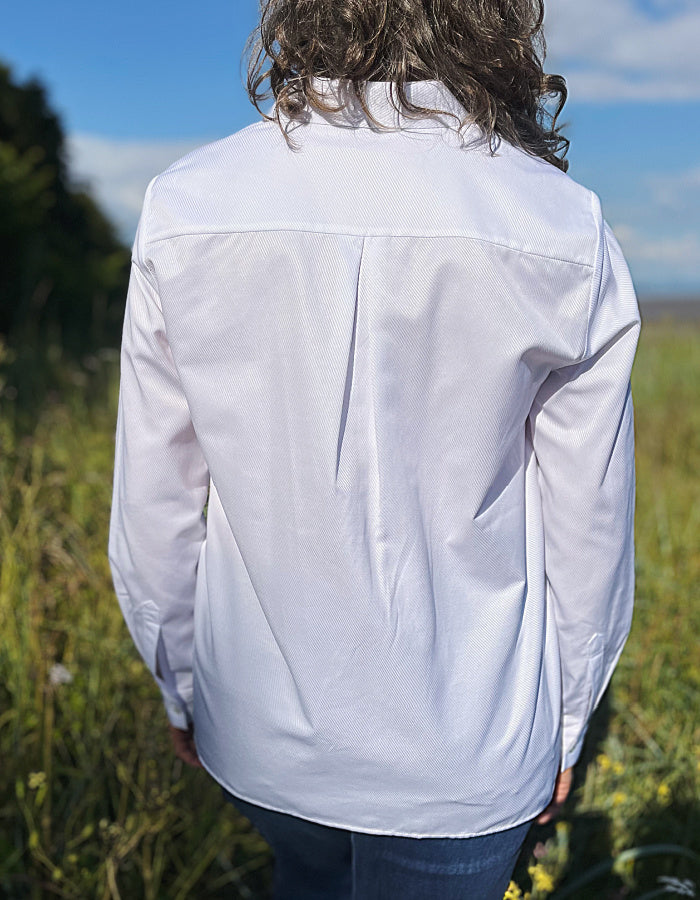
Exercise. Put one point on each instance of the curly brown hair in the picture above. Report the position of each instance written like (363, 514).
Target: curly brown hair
(488, 53)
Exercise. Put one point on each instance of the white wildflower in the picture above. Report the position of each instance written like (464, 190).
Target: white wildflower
(59, 674)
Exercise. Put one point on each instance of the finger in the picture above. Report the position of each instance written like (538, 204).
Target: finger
(545, 816)
(193, 757)
(185, 747)
(562, 786)
(186, 754)
(551, 812)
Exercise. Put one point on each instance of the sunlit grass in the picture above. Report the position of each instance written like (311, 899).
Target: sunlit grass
(92, 801)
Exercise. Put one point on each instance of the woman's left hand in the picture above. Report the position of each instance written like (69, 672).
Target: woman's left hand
(184, 746)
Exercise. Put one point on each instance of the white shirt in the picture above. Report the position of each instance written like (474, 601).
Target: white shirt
(398, 369)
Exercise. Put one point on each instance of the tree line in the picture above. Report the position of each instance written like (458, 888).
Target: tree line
(63, 270)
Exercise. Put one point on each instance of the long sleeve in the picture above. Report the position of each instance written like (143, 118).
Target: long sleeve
(583, 437)
(157, 525)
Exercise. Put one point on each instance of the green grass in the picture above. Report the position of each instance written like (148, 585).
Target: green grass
(92, 801)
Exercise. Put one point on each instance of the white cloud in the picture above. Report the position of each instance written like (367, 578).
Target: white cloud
(677, 190)
(648, 253)
(118, 172)
(614, 50)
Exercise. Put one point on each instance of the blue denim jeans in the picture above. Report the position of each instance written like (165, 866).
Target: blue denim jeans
(316, 862)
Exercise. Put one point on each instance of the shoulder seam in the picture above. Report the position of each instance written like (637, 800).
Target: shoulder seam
(370, 234)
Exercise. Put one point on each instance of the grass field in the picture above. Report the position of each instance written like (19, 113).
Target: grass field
(94, 805)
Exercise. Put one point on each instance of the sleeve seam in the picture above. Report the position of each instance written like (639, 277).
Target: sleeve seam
(596, 270)
(141, 239)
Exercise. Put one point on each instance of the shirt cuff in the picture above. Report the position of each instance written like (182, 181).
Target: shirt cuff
(178, 716)
(573, 735)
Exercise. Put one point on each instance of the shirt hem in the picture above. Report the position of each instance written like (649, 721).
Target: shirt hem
(334, 823)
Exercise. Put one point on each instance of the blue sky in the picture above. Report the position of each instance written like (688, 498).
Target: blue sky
(138, 84)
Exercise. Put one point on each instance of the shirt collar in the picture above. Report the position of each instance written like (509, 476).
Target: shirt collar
(431, 94)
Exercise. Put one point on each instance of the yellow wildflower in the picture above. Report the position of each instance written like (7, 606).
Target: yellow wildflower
(618, 768)
(663, 794)
(36, 779)
(513, 892)
(603, 761)
(541, 879)
(618, 798)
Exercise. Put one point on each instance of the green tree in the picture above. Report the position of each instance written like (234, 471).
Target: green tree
(63, 271)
